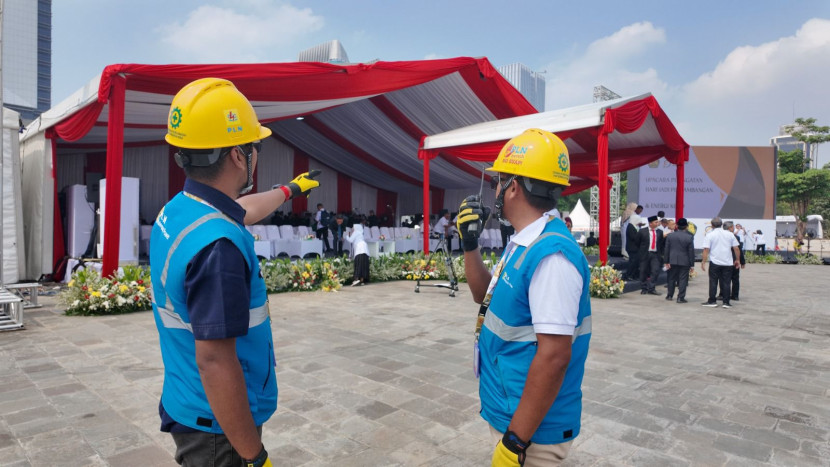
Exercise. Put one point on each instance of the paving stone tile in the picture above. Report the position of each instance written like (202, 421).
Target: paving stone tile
(145, 455)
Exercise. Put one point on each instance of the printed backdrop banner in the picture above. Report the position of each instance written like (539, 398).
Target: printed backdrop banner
(724, 181)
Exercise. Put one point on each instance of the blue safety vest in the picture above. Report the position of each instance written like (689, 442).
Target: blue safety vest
(508, 341)
(183, 228)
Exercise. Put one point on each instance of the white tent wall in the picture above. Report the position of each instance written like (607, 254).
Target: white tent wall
(38, 203)
(70, 170)
(13, 267)
(150, 166)
(275, 165)
(364, 198)
(327, 193)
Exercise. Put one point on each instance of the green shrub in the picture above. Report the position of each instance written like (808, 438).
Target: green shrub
(808, 259)
(769, 258)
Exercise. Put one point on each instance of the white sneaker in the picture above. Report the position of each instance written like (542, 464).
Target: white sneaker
(355, 282)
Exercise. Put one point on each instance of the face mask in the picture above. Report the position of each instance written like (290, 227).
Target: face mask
(250, 185)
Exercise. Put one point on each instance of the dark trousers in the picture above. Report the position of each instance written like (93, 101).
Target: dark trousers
(633, 265)
(338, 246)
(200, 448)
(736, 283)
(720, 275)
(761, 249)
(323, 234)
(678, 275)
(649, 270)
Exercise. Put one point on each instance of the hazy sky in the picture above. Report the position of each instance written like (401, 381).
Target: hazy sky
(725, 72)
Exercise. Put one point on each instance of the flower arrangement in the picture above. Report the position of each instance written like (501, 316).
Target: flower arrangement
(304, 277)
(419, 269)
(330, 278)
(309, 237)
(382, 237)
(606, 282)
(256, 237)
(88, 293)
(409, 237)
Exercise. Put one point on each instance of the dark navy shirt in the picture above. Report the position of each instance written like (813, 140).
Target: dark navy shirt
(218, 286)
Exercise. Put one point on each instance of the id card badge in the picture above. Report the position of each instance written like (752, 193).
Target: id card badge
(476, 359)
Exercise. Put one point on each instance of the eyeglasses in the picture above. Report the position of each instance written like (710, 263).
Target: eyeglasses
(496, 181)
(249, 148)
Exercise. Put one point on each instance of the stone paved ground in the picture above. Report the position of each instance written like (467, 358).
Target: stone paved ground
(379, 375)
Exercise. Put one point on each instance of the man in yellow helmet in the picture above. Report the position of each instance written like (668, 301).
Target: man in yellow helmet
(534, 323)
(209, 298)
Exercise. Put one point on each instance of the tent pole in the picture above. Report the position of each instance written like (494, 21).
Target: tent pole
(604, 196)
(114, 172)
(426, 202)
(681, 188)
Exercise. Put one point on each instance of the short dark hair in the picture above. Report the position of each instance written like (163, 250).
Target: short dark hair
(542, 203)
(716, 222)
(208, 173)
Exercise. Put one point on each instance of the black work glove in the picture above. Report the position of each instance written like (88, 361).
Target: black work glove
(470, 222)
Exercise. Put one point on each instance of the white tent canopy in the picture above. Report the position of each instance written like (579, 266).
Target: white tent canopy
(13, 266)
(580, 218)
(785, 226)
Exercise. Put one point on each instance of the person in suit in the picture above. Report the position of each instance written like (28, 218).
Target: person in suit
(650, 243)
(632, 246)
(680, 259)
(338, 230)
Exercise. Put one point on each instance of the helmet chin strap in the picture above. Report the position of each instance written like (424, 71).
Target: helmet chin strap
(248, 160)
(498, 209)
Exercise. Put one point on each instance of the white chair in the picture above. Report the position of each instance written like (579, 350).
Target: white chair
(372, 233)
(388, 233)
(287, 232)
(262, 246)
(303, 231)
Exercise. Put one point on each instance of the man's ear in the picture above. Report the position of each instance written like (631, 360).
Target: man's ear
(238, 159)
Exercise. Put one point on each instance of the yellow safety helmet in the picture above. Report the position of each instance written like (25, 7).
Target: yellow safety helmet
(536, 154)
(211, 113)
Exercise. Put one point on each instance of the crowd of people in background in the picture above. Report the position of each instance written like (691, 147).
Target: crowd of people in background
(659, 243)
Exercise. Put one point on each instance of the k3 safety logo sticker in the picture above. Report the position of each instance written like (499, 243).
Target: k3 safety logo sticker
(175, 117)
(564, 164)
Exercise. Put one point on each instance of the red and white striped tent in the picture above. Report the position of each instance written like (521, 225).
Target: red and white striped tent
(382, 133)
(361, 123)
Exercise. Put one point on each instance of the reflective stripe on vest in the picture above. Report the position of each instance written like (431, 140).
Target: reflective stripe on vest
(509, 333)
(183, 234)
(172, 320)
(521, 258)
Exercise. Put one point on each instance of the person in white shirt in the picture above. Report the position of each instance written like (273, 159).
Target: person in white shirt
(360, 252)
(718, 248)
(535, 314)
(442, 226)
(760, 243)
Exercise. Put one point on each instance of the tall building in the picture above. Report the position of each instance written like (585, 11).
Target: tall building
(785, 142)
(329, 52)
(27, 56)
(530, 83)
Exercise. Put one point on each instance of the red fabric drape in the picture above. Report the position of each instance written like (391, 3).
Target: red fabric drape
(344, 193)
(96, 162)
(300, 205)
(58, 242)
(115, 159)
(175, 175)
(79, 124)
(437, 200)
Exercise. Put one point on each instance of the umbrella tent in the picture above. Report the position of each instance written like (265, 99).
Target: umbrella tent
(602, 138)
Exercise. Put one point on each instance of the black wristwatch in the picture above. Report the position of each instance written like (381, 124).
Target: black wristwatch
(515, 444)
(257, 461)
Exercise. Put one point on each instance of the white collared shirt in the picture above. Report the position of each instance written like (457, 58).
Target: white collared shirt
(720, 243)
(555, 288)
